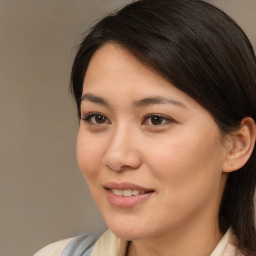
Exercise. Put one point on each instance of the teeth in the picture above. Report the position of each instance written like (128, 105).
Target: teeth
(117, 192)
(135, 192)
(127, 192)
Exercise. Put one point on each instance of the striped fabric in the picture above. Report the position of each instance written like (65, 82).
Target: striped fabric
(80, 246)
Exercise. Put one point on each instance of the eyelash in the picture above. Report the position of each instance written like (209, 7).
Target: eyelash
(165, 119)
(88, 119)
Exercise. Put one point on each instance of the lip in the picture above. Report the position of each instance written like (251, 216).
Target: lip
(126, 185)
(126, 201)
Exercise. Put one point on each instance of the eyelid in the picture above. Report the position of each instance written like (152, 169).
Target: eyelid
(89, 115)
(167, 119)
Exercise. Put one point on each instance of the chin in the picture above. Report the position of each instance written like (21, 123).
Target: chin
(127, 235)
(127, 231)
(128, 224)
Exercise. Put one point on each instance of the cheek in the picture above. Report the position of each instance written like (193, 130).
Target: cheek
(88, 154)
(187, 166)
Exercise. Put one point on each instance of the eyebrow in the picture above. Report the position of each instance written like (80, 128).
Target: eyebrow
(95, 99)
(157, 100)
(138, 103)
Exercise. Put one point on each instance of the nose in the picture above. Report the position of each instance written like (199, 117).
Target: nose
(122, 152)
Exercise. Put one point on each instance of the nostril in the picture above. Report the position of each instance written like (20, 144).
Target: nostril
(113, 168)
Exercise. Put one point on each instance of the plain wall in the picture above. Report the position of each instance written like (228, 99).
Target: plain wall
(43, 197)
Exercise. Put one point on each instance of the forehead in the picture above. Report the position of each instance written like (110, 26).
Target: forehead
(116, 76)
(114, 66)
(112, 58)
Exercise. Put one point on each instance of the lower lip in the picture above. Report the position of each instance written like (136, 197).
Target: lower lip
(126, 201)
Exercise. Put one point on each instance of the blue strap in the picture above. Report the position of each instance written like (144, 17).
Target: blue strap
(80, 246)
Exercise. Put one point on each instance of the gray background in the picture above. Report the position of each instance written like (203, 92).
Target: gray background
(43, 197)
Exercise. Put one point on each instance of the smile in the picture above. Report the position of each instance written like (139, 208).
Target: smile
(126, 195)
(127, 192)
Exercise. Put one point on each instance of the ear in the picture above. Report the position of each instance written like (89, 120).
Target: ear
(240, 145)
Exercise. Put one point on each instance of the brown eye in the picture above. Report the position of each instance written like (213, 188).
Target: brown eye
(99, 119)
(96, 119)
(156, 120)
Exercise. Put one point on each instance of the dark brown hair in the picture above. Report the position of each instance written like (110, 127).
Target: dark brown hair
(205, 54)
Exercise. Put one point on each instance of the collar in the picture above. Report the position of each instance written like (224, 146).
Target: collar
(110, 245)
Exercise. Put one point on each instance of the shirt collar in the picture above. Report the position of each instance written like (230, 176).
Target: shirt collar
(110, 245)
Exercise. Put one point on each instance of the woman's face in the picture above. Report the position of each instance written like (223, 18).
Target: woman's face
(151, 155)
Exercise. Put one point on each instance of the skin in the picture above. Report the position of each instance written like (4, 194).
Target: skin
(180, 157)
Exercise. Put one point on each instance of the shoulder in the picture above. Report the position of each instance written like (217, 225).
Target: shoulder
(81, 244)
(231, 245)
(54, 249)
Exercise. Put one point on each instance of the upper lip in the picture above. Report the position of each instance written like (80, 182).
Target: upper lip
(125, 186)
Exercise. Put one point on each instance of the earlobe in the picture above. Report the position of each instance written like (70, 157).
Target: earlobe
(241, 145)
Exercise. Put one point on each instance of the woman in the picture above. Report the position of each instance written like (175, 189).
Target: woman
(166, 96)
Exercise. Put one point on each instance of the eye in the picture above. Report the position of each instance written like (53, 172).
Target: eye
(96, 118)
(156, 120)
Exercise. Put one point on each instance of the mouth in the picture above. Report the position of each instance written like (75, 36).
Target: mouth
(126, 192)
(126, 195)
(126, 189)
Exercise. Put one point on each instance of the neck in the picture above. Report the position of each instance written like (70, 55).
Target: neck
(194, 242)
